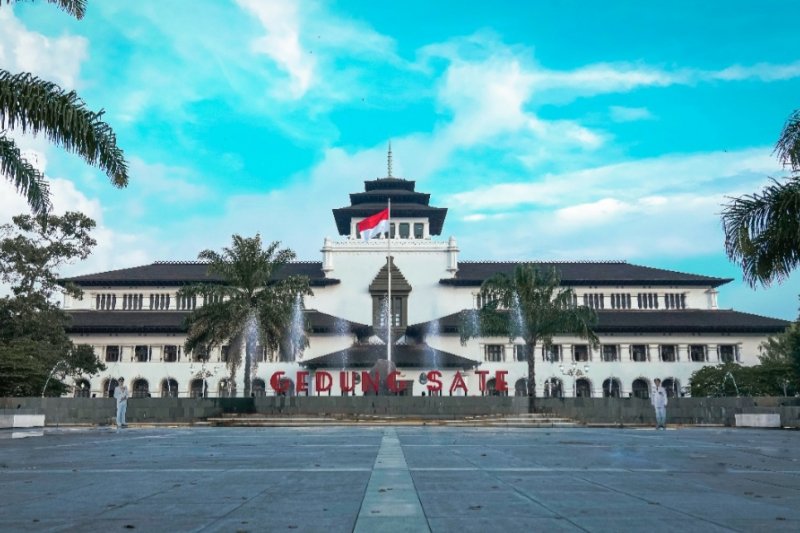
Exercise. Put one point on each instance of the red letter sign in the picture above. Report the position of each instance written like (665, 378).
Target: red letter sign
(323, 381)
(434, 383)
(458, 383)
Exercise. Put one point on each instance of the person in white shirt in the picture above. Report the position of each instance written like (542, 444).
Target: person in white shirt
(121, 394)
(659, 401)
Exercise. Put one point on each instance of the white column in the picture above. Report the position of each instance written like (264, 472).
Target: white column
(653, 353)
(683, 353)
(713, 353)
(625, 351)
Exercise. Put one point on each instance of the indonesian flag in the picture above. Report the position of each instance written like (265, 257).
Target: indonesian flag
(375, 225)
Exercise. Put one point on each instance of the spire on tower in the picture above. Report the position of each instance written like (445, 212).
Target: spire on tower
(389, 160)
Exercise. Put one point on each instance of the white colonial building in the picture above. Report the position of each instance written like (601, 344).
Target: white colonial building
(653, 323)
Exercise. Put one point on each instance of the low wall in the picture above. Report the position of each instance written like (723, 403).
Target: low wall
(686, 411)
(610, 411)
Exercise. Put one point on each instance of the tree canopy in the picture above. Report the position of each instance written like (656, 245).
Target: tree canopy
(762, 230)
(33, 339)
(530, 304)
(253, 292)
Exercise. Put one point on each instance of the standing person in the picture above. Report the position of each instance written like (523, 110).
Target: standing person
(659, 401)
(121, 394)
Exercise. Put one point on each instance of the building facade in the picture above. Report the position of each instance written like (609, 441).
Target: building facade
(653, 323)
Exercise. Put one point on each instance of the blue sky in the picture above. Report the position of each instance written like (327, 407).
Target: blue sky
(551, 130)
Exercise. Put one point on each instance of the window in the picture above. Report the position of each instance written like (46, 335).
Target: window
(201, 354)
(610, 353)
(132, 302)
(398, 311)
(669, 353)
(727, 353)
(675, 301)
(169, 388)
(580, 353)
(106, 302)
(611, 388)
(521, 352)
(82, 389)
(186, 303)
(620, 301)
(198, 388)
(141, 354)
(647, 300)
(521, 387)
(594, 300)
(224, 353)
(697, 353)
(259, 388)
(419, 230)
(640, 389)
(159, 302)
(551, 353)
(583, 388)
(112, 354)
(404, 230)
(494, 353)
(171, 353)
(639, 353)
(491, 389)
(141, 389)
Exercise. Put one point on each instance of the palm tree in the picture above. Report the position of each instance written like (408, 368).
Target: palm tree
(31, 105)
(251, 293)
(762, 230)
(530, 304)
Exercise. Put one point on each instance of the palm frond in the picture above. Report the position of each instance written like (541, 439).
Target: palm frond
(788, 145)
(32, 105)
(762, 231)
(26, 179)
(76, 8)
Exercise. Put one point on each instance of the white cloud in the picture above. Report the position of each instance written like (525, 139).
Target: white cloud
(629, 114)
(54, 59)
(282, 41)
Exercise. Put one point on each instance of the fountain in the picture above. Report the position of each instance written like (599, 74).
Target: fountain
(342, 328)
(251, 338)
(432, 332)
(517, 321)
(296, 331)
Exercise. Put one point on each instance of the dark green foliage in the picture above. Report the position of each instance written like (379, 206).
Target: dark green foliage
(33, 341)
(762, 230)
(252, 287)
(731, 379)
(530, 304)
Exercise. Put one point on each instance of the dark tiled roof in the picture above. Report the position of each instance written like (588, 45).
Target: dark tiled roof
(406, 202)
(679, 321)
(175, 322)
(610, 273)
(172, 273)
(128, 322)
(403, 356)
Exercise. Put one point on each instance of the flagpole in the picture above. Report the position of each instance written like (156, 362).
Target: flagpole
(389, 271)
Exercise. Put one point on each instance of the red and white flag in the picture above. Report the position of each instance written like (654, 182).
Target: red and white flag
(374, 225)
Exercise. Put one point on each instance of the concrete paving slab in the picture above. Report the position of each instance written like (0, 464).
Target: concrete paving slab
(418, 478)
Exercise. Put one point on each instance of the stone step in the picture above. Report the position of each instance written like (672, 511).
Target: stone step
(479, 421)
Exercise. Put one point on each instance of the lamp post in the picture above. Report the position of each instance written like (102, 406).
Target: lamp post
(575, 373)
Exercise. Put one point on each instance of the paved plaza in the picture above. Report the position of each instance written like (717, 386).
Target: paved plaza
(407, 478)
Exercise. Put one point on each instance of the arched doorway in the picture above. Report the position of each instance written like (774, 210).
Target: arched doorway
(553, 388)
(611, 388)
(672, 386)
(141, 388)
(82, 389)
(108, 387)
(227, 388)
(640, 388)
(198, 388)
(169, 388)
(521, 387)
(491, 389)
(583, 388)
